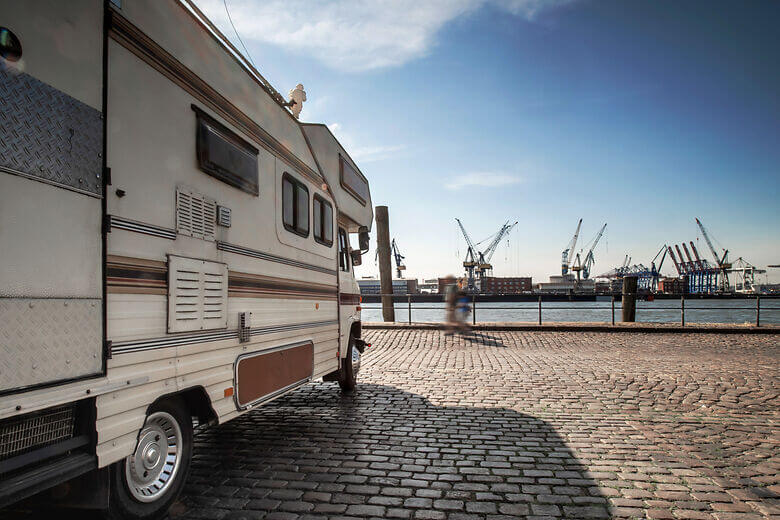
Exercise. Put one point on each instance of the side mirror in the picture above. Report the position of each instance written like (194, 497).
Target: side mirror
(357, 257)
(363, 238)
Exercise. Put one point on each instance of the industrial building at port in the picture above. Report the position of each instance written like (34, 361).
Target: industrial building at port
(695, 274)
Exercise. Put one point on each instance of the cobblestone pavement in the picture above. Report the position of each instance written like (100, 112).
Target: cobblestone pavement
(511, 424)
(506, 425)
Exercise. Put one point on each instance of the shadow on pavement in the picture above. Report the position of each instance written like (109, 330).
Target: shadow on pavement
(386, 453)
(380, 453)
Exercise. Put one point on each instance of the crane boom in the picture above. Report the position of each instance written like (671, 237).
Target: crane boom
(682, 259)
(709, 242)
(676, 264)
(701, 264)
(566, 257)
(506, 228)
(589, 259)
(466, 236)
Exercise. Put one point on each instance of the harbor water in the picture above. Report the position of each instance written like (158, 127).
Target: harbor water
(658, 311)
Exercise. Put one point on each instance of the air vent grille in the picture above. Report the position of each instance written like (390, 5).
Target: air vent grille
(197, 294)
(196, 215)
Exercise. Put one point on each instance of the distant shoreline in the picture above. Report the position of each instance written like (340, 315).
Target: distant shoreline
(403, 298)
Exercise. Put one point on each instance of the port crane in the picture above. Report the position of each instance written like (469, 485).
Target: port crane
(566, 259)
(584, 266)
(399, 259)
(477, 263)
(655, 270)
(485, 267)
(722, 262)
(745, 273)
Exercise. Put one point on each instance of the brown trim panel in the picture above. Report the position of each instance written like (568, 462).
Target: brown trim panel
(262, 375)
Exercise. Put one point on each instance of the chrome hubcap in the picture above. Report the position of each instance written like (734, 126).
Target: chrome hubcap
(157, 457)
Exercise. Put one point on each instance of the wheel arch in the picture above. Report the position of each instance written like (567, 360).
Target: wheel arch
(197, 402)
(356, 329)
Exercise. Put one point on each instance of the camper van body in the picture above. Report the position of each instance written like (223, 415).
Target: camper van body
(158, 241)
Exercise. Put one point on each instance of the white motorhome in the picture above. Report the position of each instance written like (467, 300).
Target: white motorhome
(173, 244)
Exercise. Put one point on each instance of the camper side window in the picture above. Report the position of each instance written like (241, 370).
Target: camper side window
(224, 155)
(323, 221)
(295, 206)
(343, 250)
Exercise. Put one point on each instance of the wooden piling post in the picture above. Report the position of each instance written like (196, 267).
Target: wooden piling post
(613, 309)
(629, 298)
(385, 269)
(540, 309)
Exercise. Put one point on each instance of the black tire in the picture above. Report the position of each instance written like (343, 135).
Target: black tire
(347, 370)
(123, 505)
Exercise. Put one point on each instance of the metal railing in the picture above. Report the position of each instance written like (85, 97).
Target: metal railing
(583, 307)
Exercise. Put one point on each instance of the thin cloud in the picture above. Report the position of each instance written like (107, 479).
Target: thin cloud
(484, 179)
(354, 35)
(363, 153)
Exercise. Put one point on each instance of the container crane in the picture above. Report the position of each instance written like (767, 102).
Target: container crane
(399, 259)
(585, 265)
(722, 262)
(566, 259)
(485, 266)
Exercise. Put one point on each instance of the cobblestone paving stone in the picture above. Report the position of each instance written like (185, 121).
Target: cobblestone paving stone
(506, 425)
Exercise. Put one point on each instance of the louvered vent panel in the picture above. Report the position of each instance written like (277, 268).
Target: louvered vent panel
(197, 294)
(196, 215)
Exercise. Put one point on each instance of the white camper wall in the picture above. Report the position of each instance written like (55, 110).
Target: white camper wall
(288, 283)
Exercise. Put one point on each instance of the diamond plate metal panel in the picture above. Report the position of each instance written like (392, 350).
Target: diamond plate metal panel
(47, 134)
(46, 340)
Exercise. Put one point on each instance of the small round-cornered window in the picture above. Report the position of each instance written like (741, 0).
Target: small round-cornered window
(10, 46)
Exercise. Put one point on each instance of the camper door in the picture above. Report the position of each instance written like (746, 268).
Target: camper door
(51, 188)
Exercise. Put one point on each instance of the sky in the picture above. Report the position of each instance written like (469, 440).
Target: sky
(640, 114)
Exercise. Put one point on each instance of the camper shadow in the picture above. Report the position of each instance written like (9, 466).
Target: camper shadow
(380, 451)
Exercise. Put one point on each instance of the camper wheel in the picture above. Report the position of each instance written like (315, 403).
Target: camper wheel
(146, 483)
(350, 366)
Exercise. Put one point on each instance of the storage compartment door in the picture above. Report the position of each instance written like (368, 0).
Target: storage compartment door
(51, 157)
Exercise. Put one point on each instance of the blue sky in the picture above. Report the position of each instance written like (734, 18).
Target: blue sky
(640, 114)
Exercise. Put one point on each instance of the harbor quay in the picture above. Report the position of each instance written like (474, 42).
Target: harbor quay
(511, 424)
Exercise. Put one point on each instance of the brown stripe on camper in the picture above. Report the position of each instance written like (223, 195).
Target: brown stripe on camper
(246, 285)
(136, 276)
(349, 299)
(139, 276)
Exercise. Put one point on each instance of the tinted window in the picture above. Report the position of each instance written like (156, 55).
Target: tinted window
(302, 209)
(295, 205)
(224, 155)
(288, 204)
(353, 181)
(323, 221)
(327, 219)
(343, 250)
(317, 218)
